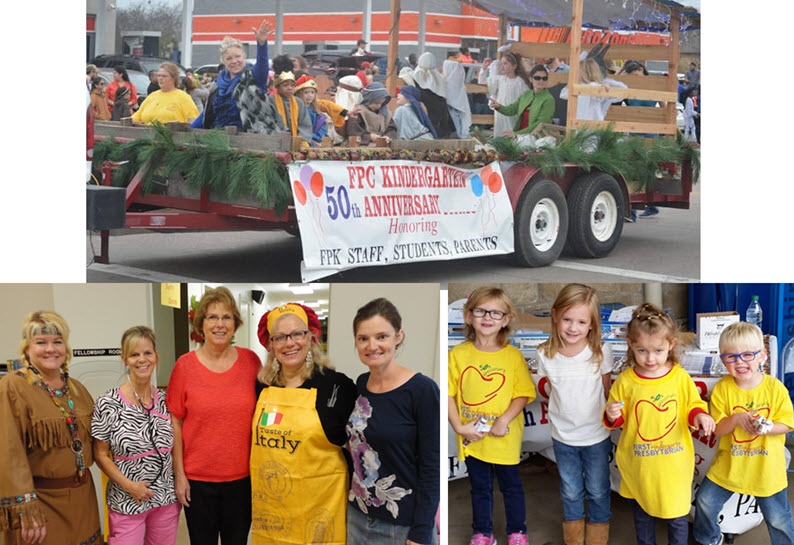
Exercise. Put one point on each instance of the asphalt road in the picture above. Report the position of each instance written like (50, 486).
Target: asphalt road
(662, 248)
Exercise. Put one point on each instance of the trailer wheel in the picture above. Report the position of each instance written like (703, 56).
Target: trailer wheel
(595, 206)
(292, 229)
(541, 224)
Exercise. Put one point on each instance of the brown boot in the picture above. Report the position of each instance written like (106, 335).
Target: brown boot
(573, 532)
(597, 533)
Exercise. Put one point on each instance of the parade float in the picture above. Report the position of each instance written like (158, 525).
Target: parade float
(421, 200)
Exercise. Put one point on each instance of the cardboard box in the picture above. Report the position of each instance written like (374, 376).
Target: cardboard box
(710, 326)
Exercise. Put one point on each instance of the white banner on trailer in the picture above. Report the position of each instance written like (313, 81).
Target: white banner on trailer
(388, 212)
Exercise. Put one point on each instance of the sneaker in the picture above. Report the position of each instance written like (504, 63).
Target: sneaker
(480, 539)
(517, 539)
(632, 218)
(650, 211)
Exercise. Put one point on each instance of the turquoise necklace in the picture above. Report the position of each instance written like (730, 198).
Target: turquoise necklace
(71, 415)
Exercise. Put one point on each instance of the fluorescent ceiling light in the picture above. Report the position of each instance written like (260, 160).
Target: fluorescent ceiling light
(301, 288)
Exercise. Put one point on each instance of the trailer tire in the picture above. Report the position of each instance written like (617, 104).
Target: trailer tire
(596, 209)
(541, 224)
(292, 229)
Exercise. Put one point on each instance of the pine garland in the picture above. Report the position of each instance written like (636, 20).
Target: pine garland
(208, 162)
(635, 158)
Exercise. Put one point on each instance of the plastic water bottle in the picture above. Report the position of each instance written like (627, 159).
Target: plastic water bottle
(754, 313)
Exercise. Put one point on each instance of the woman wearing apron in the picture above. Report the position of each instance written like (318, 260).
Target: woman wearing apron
(299, 476)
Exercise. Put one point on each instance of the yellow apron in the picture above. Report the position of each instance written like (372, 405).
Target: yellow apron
(299, 479)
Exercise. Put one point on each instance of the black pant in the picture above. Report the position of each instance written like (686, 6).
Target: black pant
(219, 509)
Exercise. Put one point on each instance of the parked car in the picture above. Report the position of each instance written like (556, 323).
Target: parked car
(141, 64)
(337, 63)
(209, 70)
(138, 79)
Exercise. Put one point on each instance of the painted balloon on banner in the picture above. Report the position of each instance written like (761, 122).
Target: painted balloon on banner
(476, 185)
(494, 182)
(300, 192)
(317, 184)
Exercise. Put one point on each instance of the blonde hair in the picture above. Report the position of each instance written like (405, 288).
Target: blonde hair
(272, 374)
(229, 42)
(649, 319)
(55, 322)
(220, 295)
(589, 71)
(131, 337)
(482, 294)
(570, 296)
(741, 334)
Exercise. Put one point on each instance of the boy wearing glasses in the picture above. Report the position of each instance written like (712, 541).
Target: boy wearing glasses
(753, 412)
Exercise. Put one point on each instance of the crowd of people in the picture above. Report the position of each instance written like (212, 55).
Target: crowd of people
(291, 450)
(653, 400)
(432, 99)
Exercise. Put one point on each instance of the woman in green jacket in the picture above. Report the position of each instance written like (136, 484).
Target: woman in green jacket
(533, 107)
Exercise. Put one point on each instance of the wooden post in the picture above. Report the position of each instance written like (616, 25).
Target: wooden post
(394, 40)
(576, 50)
(673, 58)
(501, 39)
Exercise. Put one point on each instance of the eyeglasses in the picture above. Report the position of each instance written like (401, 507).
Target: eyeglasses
(495, 314)
(213, 319)
(746, 357)
(540, 78)
(296, 336)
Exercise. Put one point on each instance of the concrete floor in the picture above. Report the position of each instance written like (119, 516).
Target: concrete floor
(544, 511)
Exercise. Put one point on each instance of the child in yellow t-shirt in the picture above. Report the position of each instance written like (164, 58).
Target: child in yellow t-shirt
(753, 412)
(655, 401)
(489, 385)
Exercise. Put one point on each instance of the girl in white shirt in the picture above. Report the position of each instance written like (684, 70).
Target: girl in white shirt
(588, 107)
(579, 367)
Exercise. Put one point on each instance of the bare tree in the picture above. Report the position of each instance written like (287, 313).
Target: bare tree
(152, 15)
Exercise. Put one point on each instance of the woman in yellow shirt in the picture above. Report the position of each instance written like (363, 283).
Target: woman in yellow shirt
(169, 103)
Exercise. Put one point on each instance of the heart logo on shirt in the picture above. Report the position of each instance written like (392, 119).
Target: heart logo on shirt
(654, 422)
(741, 436)
(481, 389)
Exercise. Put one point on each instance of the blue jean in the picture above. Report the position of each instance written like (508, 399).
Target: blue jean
(709, 501)
(481, 476)
(365, 530)
(584, 474)
(645, 526)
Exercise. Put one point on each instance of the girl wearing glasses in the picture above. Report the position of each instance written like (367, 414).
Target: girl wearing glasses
(533, 107)
(298, 472)
(655, 401)
(750, 457)
(489, 386)
(133, 438)
(211, 397)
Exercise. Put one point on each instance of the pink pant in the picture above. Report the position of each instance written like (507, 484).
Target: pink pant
(158, 525)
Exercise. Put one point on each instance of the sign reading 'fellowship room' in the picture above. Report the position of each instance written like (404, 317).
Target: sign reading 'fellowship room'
(88, 352)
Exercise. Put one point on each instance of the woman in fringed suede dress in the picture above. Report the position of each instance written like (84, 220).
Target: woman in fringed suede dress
(46, 491)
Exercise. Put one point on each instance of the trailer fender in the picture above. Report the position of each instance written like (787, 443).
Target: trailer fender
(517, 176)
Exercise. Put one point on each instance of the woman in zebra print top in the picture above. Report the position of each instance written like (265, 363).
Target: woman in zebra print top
(132, 423)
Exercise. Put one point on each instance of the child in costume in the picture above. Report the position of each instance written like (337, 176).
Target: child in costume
(655, 401)
(489, 386)
(753, 412)
(579, 368)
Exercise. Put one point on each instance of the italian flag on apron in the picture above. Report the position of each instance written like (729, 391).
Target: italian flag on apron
(299, 479)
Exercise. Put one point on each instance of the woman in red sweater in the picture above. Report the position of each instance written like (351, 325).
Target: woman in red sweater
(211, 396)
